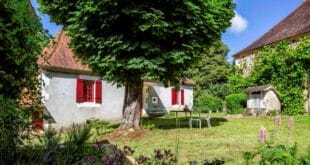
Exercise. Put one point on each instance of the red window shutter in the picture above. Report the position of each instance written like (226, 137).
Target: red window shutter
(177, 96)
(98, 91)
(79, 90)
(182, 96)
(174, 96)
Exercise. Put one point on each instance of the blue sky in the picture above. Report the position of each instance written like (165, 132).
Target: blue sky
(260, 16)
(253, 19)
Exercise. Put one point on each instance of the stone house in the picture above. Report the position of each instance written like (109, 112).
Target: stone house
(261, 100)
(71, 93)
(291, 28)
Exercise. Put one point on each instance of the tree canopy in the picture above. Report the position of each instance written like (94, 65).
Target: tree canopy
(127, 41)
(122, 40)
(212, 67)
(21, 41)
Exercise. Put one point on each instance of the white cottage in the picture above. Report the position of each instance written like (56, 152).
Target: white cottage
(72, 94)
(261, 100)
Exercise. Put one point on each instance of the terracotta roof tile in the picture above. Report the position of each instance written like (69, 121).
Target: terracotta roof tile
(295, 24)
(58, 56)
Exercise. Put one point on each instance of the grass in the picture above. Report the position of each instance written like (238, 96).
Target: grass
(228, 138)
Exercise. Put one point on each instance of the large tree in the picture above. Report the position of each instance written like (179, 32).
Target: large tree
(21, 41)
(128, 41)
(212, 66)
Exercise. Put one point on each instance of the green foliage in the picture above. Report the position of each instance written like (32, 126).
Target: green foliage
(238, 83)
(210, 73)
(159, 157)
(275, 154)
(285, 67)
(51, 149)
(21, 41)
(12, 119)
(149, 125)
(247, 157)
(305, 160)
(236, 103)
(219, 90)
(272, 113)
(125, 41)
(215, 161)
(208, 102)
(212, 67)
(271, 153)
(99, 125)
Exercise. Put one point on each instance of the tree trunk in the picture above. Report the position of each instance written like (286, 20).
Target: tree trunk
(133, 105)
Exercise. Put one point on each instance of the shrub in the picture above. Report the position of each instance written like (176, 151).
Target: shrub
(99, 125)
(272, 113)
(305, 160)
(207, 102)
(12, 119)
(271, 153)
(219, 90)
(159, 157)
(235, 103)
(237, 83)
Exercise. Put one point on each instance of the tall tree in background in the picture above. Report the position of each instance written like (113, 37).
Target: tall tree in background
(212, 67)
(127, 41)
(210, 74)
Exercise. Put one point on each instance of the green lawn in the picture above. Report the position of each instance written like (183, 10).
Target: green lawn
(228, 138)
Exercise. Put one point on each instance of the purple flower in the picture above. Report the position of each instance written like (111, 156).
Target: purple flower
(262, 134)
(90, 159)
(290, 123)
(278, 121)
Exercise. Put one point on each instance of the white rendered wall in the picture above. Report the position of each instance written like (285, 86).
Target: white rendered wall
(61, 101)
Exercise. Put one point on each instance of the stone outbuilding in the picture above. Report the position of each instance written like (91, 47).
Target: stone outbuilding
(261, 100)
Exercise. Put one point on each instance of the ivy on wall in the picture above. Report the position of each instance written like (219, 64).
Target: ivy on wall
(285, 66)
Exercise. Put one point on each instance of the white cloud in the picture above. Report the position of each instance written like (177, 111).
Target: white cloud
(238, 23)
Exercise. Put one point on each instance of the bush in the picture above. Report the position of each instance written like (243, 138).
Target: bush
(99, 125)
(271, 153)
(219, 90)
(159, 157)
(306, 158)
(12, 119)
(235, 103)
(71, 148)
(272, 113)
(207, 102)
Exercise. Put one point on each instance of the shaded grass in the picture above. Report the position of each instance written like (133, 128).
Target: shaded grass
(228, 138)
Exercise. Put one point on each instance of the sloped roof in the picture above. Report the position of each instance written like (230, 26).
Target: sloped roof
(57, 56)
(262, 88)
(295, 24)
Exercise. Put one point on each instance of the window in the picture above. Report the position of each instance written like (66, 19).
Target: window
(88, 91)
(177, 96)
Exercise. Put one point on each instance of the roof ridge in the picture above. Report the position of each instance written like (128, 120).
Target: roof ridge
(58, 36)
(276, 26)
